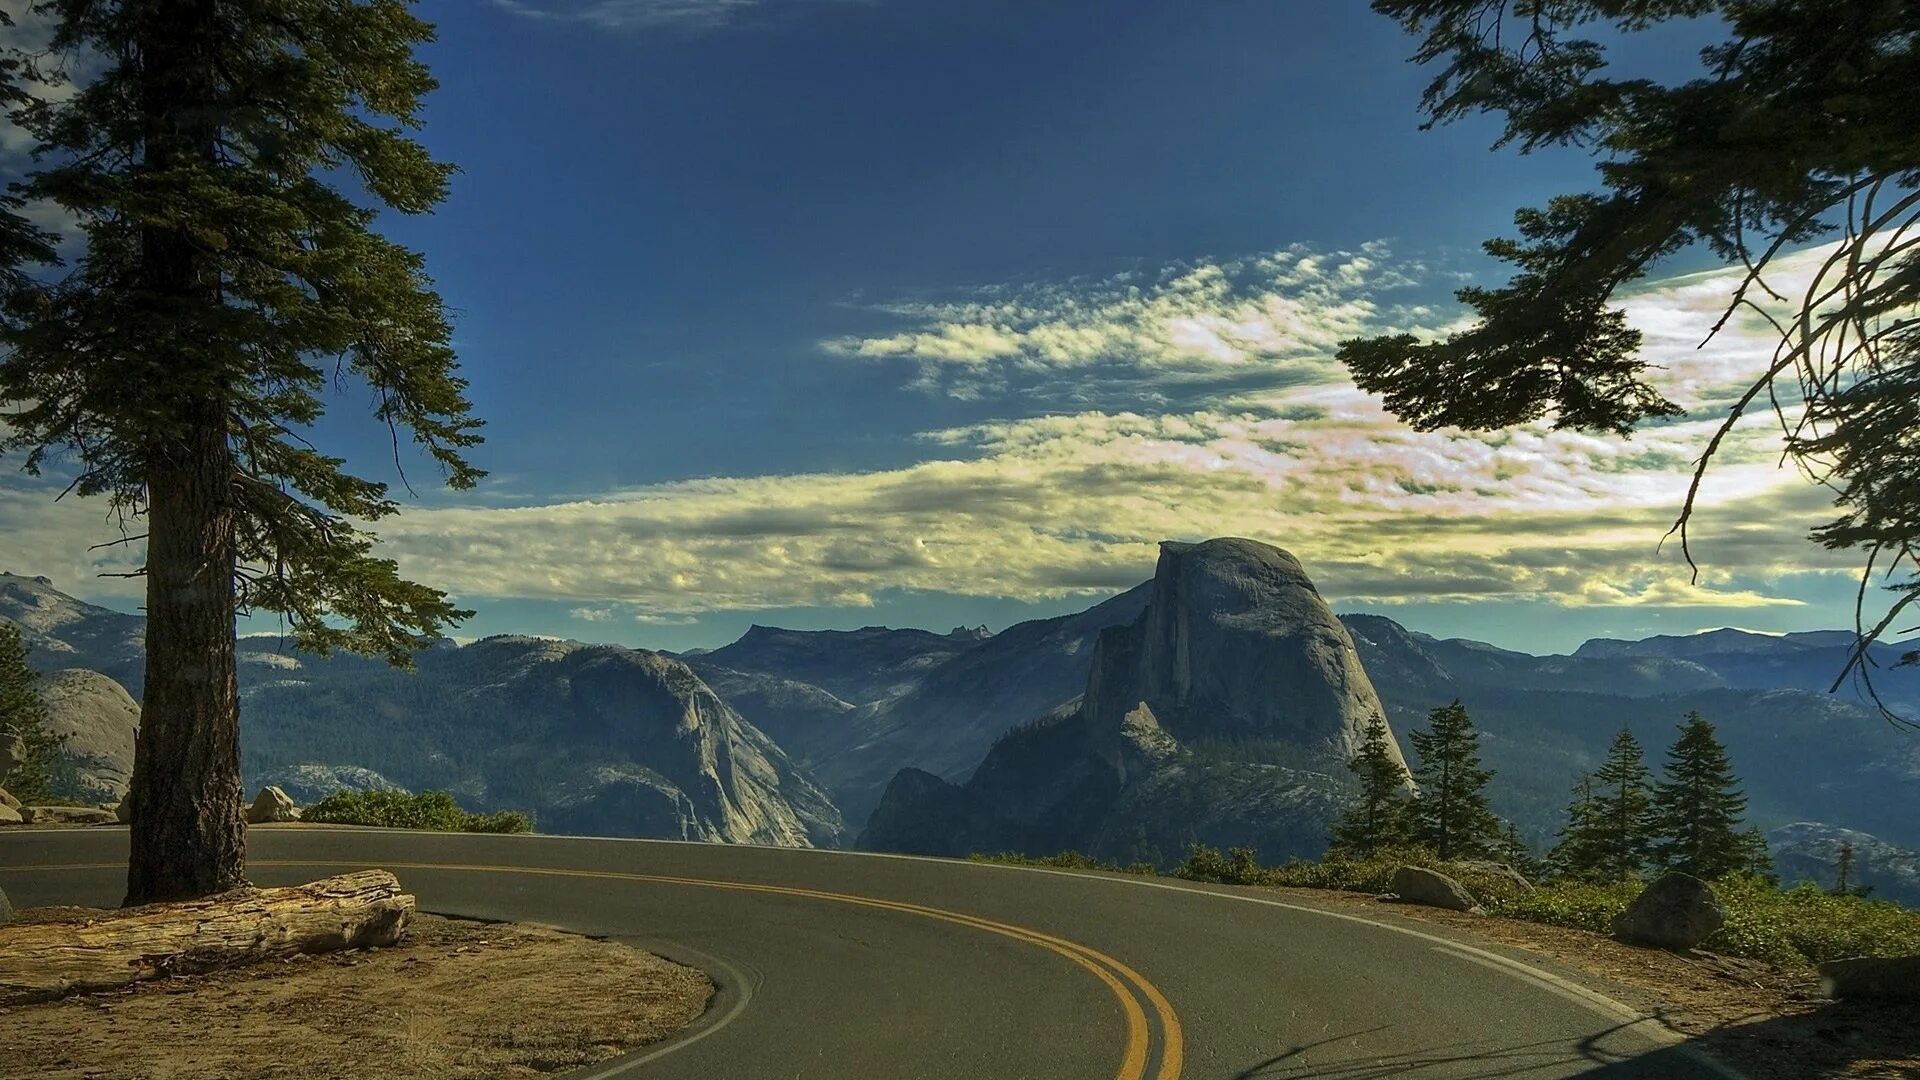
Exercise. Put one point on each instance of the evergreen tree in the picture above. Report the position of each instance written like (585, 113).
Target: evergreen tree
(1451, 815)
(1379, 818)
(1796, 126)
(1697, 807)
(1609, 839)
(36, 752)
(228, 282)
(1515, 853)
(1574, 856)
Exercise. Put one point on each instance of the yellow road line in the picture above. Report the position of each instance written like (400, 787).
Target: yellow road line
(1133, 1064)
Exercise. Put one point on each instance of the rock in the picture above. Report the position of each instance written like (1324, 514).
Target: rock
(66, 815)
(1677, 911)
(9, 816)
(271, 804)
(6, 908)
(123, 813)
(1890, 978)
(1505, 873)
(99, 721)
(309, 782)
(1418, 885)
(8, 800)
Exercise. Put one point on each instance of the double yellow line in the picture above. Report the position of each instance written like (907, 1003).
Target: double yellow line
(1128, 986)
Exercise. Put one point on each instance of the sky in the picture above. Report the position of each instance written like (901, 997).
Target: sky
(832, 313)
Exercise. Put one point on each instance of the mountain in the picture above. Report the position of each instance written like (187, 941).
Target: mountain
(946, 721)
(1810, 851)
(593, 739)
(62, 632)
(859, 666)
(1801, 753)
(1223, 712)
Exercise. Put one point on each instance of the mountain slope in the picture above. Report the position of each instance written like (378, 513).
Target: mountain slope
(1234, 664)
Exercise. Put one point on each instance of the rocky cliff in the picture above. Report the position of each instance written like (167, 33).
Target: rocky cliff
(1223, 713)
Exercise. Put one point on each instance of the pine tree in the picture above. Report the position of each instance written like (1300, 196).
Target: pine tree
(1574, 855)
(1451, 815)
(1844, 886)
(1515, 853)
(228, 282)
(1379, 818)
(37, 752)
(1697, 807)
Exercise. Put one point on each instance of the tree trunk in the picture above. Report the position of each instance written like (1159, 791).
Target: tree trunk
(188, 834)
(42, 961)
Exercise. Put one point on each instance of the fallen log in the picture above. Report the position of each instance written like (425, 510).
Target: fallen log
(42, 961)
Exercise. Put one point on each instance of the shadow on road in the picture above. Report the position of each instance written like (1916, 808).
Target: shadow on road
(1831, 1040)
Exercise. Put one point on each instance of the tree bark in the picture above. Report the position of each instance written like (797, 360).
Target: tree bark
(189, 837)
(42, 961)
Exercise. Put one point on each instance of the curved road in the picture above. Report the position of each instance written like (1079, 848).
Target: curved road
(841, 965)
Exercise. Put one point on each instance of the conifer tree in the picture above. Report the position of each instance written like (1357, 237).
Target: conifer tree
(1573, 856)
(229, 280)
(1515, 852)
(1611, 838)
(1451, 815)
(36, 752)
(1379, 818)
(1697, 807)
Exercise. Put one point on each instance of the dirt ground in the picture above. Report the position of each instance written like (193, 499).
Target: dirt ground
(1769, 1022)
(456, 1000)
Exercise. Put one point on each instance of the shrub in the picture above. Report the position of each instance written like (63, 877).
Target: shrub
(1066, 860)
(431, 810)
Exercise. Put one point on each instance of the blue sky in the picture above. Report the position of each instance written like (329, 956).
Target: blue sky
(829, 313)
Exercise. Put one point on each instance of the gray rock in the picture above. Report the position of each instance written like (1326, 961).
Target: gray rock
(1499, 870)
(8, 800)
(99, 721)
(1419, 885)
(309, 782)
(1891, 978)
(123, 812)
(271, 805)
(9, 816)
(66, 815)
(1676, 911)
(1233, 647)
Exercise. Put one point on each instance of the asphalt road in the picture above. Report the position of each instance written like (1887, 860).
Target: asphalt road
(839, 965)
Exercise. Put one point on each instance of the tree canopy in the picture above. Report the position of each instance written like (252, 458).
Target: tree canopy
(1799, 128)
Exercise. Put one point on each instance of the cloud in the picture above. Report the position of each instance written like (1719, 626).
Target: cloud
(1260, 321)
(643, 15)
(1050, 503)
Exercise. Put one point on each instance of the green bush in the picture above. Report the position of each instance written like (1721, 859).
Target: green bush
(1066, 860)
(431, 810)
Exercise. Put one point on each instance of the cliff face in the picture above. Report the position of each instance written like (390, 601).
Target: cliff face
(1237, 644)
(1222, 713)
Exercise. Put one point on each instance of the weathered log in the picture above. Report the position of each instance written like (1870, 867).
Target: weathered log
(42, 961)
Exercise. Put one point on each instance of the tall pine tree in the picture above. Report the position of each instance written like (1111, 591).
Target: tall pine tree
(1379, 818)
(1610, 827)
(1697, 807)
(228, 280)
(1451, 815)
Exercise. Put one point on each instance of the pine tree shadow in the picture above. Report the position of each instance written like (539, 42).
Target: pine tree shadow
(1834, 1039)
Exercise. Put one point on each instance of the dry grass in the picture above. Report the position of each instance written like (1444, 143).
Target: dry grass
(457, 1001)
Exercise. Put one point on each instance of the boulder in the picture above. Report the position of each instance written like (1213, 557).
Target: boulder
(271, 804)
(123, 811)
(1418, 885)
(66, 815)
(9, 816)
(1889, 978)
(8, 800)
(1499, 870)
(1677, 911)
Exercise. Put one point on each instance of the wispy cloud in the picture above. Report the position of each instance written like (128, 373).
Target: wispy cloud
(640, 15)
(1044, 504)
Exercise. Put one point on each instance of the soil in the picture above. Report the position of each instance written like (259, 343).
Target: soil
(456, 1000)
(1769, 1022)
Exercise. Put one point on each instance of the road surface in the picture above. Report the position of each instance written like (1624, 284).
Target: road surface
(839, 965)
